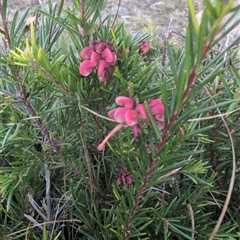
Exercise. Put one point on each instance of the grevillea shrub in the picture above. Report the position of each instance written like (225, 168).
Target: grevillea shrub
(106, 134)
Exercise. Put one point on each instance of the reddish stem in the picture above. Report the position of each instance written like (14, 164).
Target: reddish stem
(165, 137)
(139, 194)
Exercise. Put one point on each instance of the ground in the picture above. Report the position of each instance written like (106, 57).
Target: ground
(167, 16)
(137, 14)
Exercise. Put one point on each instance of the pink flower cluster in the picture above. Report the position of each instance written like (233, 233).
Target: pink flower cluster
(130, 114)
(98, 55)
(124, 177)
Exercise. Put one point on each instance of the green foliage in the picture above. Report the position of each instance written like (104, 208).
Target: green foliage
(171, 183)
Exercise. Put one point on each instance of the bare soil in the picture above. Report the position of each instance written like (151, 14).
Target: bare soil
(165, 16)
(137, 14)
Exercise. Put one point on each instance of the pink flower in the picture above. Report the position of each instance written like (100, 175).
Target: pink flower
(181, 131)
(107, 55)
(95, 58)
(140, 108)
(109, 72)
(129, 115)
(232, 131)
(119, 114)
(86, 68)
(157, 110)
(114, 58)
(102, 65)
(86, 53)
(105, 70)
(136, 129)
(100, 47)
(119, 181)
(154, 102)
(124, 115)
(144, 47)
(94, 43)
(160, 124)
(126, 102)
(111, 113)
(110, 45)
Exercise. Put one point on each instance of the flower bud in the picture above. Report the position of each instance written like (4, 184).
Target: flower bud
(86, 53)
(140, 108)
(100, 47)
(107, 55)
(126, 102)
(95, 58)
(131, 117)
(86, 68)
(119, 114)
(144, 48)
(102, 74)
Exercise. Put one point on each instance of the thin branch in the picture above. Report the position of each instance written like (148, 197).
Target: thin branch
(55, 81)
(5, 28)
(43, 128)
(48, 197)
(115, 17)
(137, 199)
(97, 114)
(214, 116)
(87, 157)
(82, 4)
(165, 137)
(41, 224)
(52, 142)
(191, 213)
(31, 219)
(36, 207)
